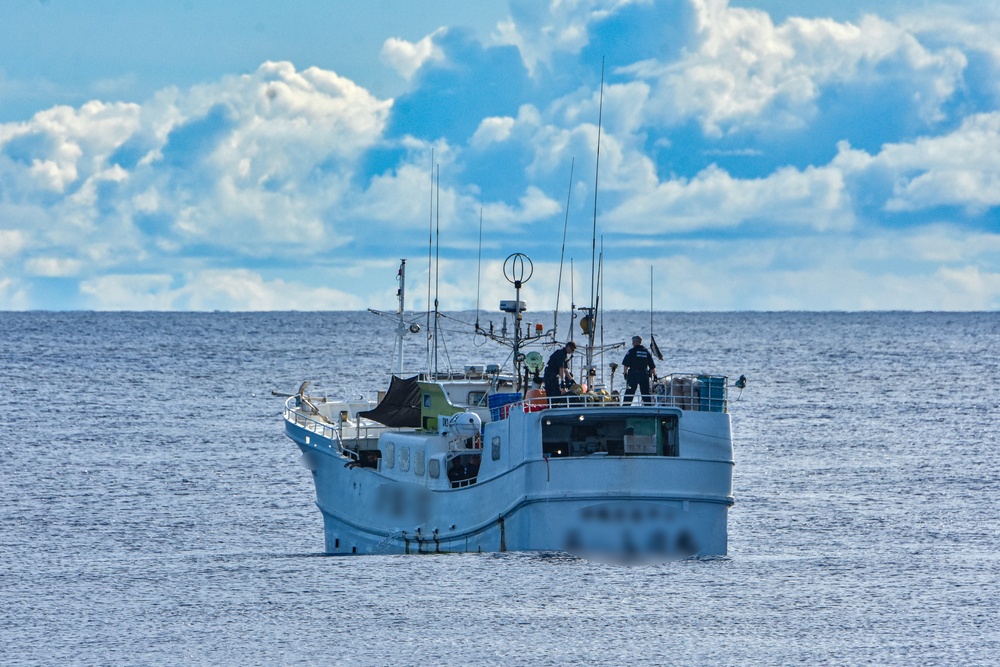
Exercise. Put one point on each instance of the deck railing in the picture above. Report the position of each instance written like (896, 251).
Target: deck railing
(337, 433)
(687, 391)
(310, 423)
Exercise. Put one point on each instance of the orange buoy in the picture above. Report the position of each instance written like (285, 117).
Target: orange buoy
(535, 400)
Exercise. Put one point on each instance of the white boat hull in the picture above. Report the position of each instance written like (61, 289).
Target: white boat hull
(661, 506)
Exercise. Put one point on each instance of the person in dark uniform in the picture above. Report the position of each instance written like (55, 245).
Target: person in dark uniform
(557, 370)
(638, 365)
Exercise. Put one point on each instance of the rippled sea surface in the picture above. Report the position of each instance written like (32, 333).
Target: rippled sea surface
(153, 513)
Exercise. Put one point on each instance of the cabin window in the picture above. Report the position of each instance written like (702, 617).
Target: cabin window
(368, 458)
(496, 448)
(477, 398)
(463, 469)
(404, 459)
(389, 460)
(434, 468)
(590, 434)
(418, 463)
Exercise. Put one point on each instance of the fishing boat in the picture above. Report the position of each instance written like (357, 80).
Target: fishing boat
(481, 460)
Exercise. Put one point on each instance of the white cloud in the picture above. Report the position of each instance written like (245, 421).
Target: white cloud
(65, 146)
(532, 206)
(408, 57)
(958, 169)
(542, 30)
(398, 199)
(135, 292)
(814, 198)
(13, 295)
(831, 272)
(979, 289)
(744, 71)
(53, 267)
(492, 130)
(239, 290)
(284, 168)
(258, 164)
(12, 242)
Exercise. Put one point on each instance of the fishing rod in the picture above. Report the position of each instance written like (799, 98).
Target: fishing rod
(593, 238)
(430, 249)
(479, 268)
(562, 254)
(437, 268)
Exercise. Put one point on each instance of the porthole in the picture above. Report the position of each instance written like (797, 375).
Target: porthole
(496, 448)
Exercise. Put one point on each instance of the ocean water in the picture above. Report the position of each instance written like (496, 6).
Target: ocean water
(153, 513)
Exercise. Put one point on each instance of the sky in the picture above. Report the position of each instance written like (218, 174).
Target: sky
(250, 155)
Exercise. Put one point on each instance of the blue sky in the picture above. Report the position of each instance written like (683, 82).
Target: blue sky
(755, 155)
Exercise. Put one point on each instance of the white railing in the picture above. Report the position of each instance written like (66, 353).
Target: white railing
(309, 423)
(338, 433)
(687, 391)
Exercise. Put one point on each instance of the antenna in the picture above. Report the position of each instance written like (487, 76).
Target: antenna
(517, 269)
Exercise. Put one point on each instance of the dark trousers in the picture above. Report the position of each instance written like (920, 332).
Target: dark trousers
(552, 389)
(640, 381)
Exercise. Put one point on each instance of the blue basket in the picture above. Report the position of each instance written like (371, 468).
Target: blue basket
(500, 405)
(713, 393)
